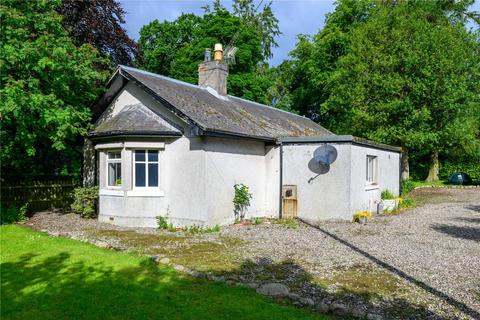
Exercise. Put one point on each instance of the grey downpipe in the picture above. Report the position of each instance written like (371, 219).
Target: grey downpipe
(280, 203)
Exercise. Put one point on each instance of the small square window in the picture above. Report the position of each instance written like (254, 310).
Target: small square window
(371, 175)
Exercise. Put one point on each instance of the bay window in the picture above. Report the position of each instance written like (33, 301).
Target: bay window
(146, 168)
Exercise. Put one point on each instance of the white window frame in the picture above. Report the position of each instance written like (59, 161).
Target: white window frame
(115, 160)
(371, 174)
(134, 162)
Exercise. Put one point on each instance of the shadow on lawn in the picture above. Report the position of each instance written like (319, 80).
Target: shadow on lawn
(61, 287)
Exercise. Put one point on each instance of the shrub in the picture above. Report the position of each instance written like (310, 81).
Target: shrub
(13, 214)
(85, 201)
(241, 200)
(387, 195)
(448, 168)
(257, 220)
(163, 223)
(407, 186)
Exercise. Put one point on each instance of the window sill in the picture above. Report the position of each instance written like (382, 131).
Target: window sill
(112, 192)
(369, 187)
(145, 193)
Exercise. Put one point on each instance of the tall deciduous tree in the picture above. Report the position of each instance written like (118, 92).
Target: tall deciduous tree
(176, 48)
(400, 72)
(411, 77)
(47, 87)
(99, 23)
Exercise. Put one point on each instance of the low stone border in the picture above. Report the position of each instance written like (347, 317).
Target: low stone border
(279, 291)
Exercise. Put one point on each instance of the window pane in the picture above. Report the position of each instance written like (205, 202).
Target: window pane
(118, 174)
(153, 174)
(152, 156)
(111, 174)
(114, 174)
(114, 155)
(140, 155)
(140, 174)
(366, 169)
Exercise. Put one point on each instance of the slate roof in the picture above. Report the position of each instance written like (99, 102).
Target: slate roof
(213, 113)
(135, 119)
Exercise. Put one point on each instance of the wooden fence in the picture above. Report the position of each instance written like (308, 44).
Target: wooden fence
(44, 192)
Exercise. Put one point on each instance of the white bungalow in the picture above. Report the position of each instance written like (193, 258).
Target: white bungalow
(163, 147)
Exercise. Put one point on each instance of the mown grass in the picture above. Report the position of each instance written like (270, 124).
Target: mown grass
(45, 277)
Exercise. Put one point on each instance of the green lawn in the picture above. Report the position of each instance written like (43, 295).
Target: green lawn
(45, 277)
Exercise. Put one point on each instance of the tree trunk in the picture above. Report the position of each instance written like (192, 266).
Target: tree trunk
(434, 167)
(405, 170)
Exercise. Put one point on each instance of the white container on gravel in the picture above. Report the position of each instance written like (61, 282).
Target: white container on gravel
(389, 205)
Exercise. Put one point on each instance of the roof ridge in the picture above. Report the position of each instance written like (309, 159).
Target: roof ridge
(159, 76)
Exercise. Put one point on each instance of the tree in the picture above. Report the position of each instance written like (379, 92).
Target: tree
(314, 59)
(99, 23)
(176, 48)
(264, 21)
(410, 78)
(386, 70)
(47, 86)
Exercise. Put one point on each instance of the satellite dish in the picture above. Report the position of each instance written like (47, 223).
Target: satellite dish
(325, 154)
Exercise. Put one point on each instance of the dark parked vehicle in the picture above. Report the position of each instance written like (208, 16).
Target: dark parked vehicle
(460, 178)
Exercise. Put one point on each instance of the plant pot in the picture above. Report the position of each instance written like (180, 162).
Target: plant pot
(389, 205)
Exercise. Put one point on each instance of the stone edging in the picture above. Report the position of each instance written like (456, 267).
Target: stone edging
(279, 291)
(448, 187)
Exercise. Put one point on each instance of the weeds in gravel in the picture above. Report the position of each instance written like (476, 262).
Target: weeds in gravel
(406, 203)
(288, 223)
(364, 281)
(182, 248)
(195, 229)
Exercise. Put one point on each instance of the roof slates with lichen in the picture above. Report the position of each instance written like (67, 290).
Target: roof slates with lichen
(225, 114)
(135, 119)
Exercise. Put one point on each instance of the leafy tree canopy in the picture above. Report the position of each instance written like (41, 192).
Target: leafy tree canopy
(176, 48)
(99, 23)
(399, 72)
(47, 86)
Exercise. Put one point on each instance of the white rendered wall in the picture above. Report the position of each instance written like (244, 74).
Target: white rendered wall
(231, 161)
(365, 197)
(132, 94)
(327, 195)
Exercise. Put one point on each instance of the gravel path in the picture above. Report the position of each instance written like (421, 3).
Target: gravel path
(421, 264)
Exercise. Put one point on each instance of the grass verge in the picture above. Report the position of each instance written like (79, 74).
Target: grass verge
(56, 278)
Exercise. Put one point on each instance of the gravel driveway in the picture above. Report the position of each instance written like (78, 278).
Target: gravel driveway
(434, 247)
(423, 263)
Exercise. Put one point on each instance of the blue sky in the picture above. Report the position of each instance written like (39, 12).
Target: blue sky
(295, 17)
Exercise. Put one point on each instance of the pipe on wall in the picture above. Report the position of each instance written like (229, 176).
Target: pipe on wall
(280, 203)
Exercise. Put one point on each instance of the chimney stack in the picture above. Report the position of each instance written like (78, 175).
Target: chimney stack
(214, 73)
